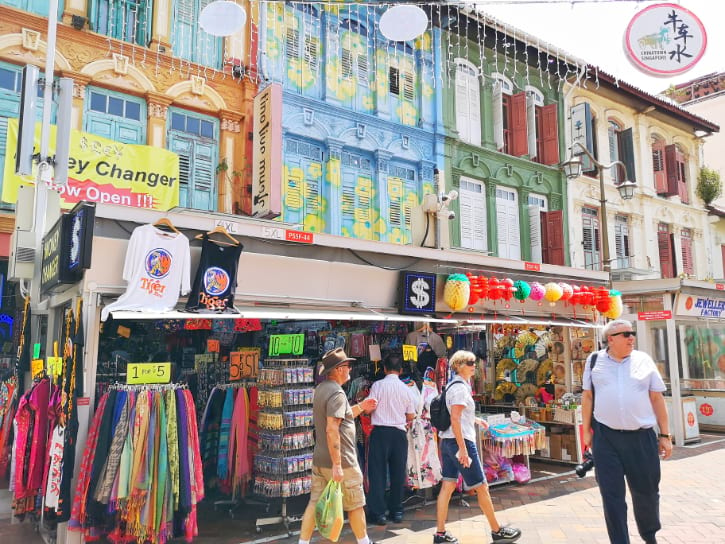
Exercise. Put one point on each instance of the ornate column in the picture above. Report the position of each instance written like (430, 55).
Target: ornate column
(231, 190)
(157, 108)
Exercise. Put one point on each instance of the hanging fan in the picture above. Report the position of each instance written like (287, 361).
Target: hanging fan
(543, 369)
(524, 391)
(502, 366)
(503, 389)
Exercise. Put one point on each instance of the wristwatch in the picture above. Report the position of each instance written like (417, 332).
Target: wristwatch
(667, 436)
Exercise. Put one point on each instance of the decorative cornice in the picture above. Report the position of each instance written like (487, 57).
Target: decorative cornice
(230, 121)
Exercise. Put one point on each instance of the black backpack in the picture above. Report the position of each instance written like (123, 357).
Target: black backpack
(440, 417)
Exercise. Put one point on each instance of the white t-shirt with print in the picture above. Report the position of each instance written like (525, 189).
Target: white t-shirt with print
(156, 269)
(462, 395)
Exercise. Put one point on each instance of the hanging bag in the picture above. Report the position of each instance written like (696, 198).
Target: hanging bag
(328, 511)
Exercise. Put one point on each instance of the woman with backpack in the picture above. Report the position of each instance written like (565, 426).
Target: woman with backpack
(459, 454)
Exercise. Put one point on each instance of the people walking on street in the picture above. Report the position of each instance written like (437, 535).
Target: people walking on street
(335, 454)
(621, 403)
(459, 454)
(388, 448)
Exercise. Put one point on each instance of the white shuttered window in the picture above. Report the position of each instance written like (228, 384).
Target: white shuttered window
(472, 208)
(507, 224)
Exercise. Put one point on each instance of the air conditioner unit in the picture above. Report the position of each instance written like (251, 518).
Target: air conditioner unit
(22, 242)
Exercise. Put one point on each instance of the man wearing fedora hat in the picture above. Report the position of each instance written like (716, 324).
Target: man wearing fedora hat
(335, 455)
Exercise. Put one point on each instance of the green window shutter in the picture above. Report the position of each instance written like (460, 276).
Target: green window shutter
(183, 148)
(628, 154)
(181, 42)
(202, 182)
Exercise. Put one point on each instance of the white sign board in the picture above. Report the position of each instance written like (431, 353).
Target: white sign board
(665, 40)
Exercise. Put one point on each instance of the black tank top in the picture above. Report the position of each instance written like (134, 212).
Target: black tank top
(216, 277)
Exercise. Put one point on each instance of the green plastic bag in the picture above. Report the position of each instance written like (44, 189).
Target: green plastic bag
(328, 511)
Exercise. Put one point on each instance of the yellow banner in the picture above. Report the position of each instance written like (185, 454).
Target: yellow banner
(102, 170)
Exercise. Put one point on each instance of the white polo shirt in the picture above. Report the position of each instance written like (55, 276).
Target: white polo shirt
(621, 390)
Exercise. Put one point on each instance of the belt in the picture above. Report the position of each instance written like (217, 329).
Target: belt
(641, 429)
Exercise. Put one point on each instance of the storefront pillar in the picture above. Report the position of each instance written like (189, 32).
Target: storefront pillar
(229, 178)
(676, 417)
(158, 106)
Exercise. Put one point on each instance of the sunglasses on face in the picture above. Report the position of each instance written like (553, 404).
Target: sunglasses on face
(626, 334)
(470, 363)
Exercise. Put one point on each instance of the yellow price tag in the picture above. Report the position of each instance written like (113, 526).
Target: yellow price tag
(410, 353)
(143, 373)
(36, 367)
(55, 366)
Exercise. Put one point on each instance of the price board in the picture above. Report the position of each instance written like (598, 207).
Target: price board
(410, 352)
(244, 363)
(37, 366)
(55, 366)
(147, 373)
(286, 344)
(212, 345)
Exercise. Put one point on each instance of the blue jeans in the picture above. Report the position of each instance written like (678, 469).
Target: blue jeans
(451, 468)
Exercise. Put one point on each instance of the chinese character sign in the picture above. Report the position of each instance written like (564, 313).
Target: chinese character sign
(665, 40)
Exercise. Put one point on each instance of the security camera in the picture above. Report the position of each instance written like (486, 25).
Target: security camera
(451, 215)
(445, 197)
(450, 195)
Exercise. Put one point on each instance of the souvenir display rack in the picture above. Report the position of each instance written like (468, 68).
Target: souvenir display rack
(283, 465)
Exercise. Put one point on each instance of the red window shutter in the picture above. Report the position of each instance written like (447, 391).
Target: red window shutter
(672, 170)
(545, 253)
(688, 266)
(553, 239)
(682, 178)
(658, 167)
(550, 128)
(665, 250)
(520, 144)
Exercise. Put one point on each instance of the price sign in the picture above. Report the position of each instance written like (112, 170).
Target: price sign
(212, 345)
(244, 363)
(143, 373)
(410, 353)
(36, 351)
(55, 365)
(286, 344)
(37, 366)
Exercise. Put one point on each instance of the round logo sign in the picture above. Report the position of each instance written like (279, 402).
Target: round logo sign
(706, 409)
(689, 303)
(216, 281)
(158, 263)
(665, 40)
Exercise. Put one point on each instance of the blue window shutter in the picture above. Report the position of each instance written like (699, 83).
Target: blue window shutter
(3, 144)
(100, 126)
(202, 182)
(182, 146)
(182, 37)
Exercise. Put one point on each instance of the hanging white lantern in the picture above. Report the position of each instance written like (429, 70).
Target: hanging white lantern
(222, 18)
(403, 23)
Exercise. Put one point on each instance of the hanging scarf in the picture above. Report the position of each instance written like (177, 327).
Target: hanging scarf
(77, 520)
(103, 490)
(162, 471)
(253, 429)
(122, 481)
(172, 440)
(224, 431)
(184, 460)
(237, 459)
(196, 477)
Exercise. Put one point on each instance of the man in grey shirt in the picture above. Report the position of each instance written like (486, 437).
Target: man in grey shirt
(621, 403)
(334, 457)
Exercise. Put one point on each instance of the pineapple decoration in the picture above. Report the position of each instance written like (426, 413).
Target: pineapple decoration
(457, 291)
(617, 306)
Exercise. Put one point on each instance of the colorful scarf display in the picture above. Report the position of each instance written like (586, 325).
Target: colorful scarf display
(150, 468)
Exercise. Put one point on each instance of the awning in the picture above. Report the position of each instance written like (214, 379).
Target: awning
(515, 320)
(356, 314)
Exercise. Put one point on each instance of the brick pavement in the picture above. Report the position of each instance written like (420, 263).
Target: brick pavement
(560, 509)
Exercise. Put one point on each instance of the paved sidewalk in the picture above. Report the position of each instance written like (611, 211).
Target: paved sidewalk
(562, 509)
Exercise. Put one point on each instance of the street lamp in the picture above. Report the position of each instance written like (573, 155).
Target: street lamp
(572, 169)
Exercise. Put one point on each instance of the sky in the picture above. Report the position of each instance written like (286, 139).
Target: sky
(593, 30)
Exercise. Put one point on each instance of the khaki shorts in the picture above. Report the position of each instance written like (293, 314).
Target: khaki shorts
(353, 494)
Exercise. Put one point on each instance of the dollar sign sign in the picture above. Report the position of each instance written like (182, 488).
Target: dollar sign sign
(421, 299)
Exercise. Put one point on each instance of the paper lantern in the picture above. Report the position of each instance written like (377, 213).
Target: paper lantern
(552, 291)
(586, 296)
(566, 291)
(479, 288)
(222, 18)
(616, 308)
(602, 300)
(495, 289)
(507, 290)
(537, 291)
(522, 290)
(403, 23)
(457, 291)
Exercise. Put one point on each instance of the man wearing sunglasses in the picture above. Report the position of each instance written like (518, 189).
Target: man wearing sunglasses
(621, 403)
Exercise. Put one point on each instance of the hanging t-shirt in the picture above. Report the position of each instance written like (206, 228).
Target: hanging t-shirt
(216, 277)
(417, 338)
(156, 269)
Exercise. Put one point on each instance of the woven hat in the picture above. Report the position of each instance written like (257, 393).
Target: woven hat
(332, 359)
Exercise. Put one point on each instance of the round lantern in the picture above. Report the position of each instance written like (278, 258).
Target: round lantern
(552, 291)
(457, 291)
(495, 289)
(403, 23)
(522, 290)
(617, 306)
(537, 291)
(507, 290)
(222, 18)
(602, 300)
(566, 291)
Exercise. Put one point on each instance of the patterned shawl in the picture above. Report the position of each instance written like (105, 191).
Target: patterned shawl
(224, 432)
(113, 462)
(172, 441)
